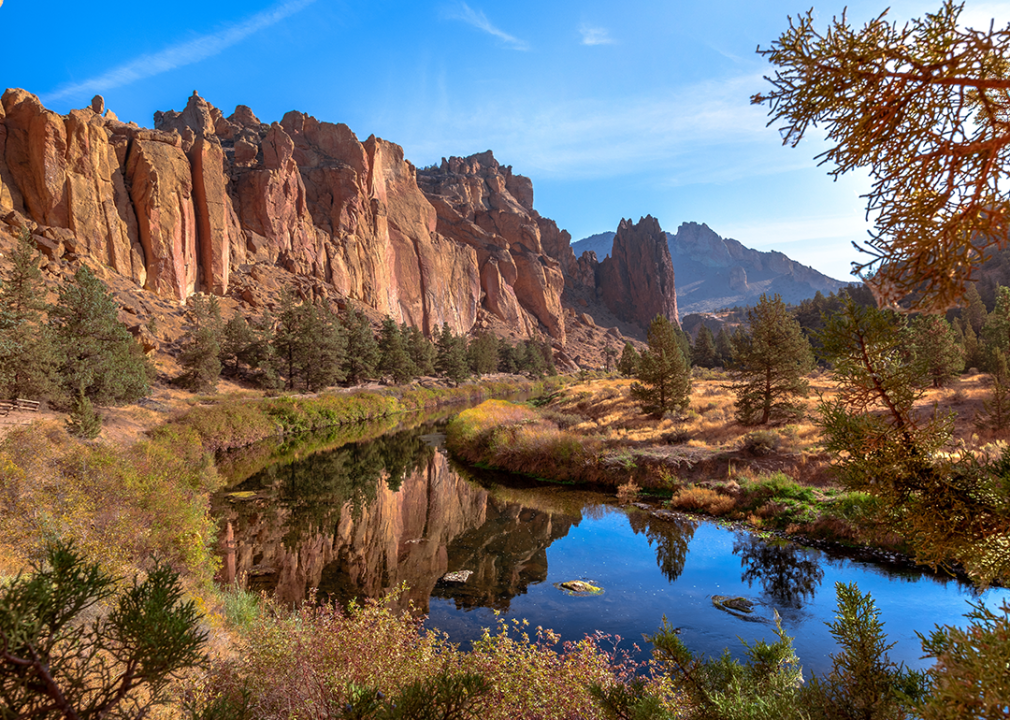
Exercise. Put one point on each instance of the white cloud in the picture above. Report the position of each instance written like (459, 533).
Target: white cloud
(595, 35)
(179, 55)
(478, 19)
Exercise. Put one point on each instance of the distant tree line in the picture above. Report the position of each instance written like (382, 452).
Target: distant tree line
(308, 346)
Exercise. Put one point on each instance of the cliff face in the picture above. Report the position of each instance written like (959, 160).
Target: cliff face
(182, 207)
(636, 281)
(486, 206)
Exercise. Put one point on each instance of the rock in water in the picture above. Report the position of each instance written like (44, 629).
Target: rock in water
(579, 587)
(740, 604)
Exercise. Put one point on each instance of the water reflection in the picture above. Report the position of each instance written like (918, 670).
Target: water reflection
(671, 536)
(788, 574)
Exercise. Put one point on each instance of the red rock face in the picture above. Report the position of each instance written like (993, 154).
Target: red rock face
(178, 208)
(482, 204)
(636, 281)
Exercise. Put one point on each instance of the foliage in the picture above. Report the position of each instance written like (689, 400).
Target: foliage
(704, 352)
(482, 354)
(308, 343)
(628, 364)
(98, 356)
(201, 347)
(938, 357)
(769, 363)
(863, 683)
(422, 353)
(969, 680)
(452, 360)
(949, 506)
(923, 107)
(663, 373)
(394, 360)
(54, 663)
(84, 421)
(362, 349)
(27, 352)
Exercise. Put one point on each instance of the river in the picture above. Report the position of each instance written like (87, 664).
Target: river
(358, 519)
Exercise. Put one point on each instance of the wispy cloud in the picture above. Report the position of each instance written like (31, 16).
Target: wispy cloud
(478, 19)
(595, 35)
(179, 55)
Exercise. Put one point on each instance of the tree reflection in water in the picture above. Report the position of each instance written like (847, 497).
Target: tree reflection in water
(671, 537)
(787, 572)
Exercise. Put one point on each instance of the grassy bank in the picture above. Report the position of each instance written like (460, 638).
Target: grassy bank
(124, 506)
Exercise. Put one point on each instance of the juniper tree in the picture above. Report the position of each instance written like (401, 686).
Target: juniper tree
(924, 109)
(938, 356)
(974, 311)
(769, 364)
(61, 658)
(394, 360)
(238, 339)
(322, 354)
(97, 354)
(948, 506)
(422, 353)
(362, 349)
(628, 364)
(452, 361)
(28, 355)
(482, 354)
(664, 378)
(723, 346)
(609, 356)
(201, 345)
(704, 353)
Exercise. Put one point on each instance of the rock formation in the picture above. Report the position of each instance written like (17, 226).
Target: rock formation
(181, 208)
(636, 280)
(716, 272)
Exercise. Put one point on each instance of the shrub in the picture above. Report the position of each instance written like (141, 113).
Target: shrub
(704, 500)
(119, 664)
(761, 442)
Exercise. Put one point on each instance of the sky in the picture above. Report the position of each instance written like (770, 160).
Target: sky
(614, 110)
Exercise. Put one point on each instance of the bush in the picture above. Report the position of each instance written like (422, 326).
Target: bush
(761, 442)
(704, 500)
(118, 665)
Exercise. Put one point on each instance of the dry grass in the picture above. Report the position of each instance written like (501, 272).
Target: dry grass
(703, 500)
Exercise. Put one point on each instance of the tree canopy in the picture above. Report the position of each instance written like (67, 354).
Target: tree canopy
(925, 109)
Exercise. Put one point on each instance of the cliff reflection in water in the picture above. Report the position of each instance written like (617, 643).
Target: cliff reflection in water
(360, 520)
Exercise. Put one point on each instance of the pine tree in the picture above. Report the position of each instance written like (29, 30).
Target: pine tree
(995, 334)
(362, 349)
(84, 421)
(609, 356)
(201, 346)
(628, 364)
(482, 354)
(394, 359)
(704, 352)
(28, 356)
(321, 357)
(938, 357)
(974, 312)
(98, 356)
(452, 362)
(507, 362)
(422, 353)
(723, 347)
(663, 373)
(238, 339)
(995, 414)
(769, 364)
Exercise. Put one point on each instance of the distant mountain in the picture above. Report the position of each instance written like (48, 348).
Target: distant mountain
(713, 272)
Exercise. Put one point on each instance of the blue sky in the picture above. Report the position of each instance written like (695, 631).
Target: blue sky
(613, 109)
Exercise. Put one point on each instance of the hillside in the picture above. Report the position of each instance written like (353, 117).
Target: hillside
(715, 272)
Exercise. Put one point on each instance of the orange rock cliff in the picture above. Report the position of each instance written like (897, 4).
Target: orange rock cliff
(183, 207)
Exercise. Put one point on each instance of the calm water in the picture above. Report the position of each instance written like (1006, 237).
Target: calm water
(361, 518)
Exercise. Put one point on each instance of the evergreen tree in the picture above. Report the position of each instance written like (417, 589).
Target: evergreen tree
(663, 373)
(974, 312)
(422, 353)
(84, 421)
(452, 361)
(321, 358)
(507, 361)
(482, 354)
(362, 349)
(28, 357)
(938, 357)
(238, 340)
(201, 346)
(769, 364)
(704, 353)
(723, 347)
(98, 356)
(628, 364)
(609, 356)
(394, 360)
(995, 414)
(996, 330)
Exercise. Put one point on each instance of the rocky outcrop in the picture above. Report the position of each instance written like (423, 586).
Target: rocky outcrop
(636, 281)
(179, 208)
(483, 204)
